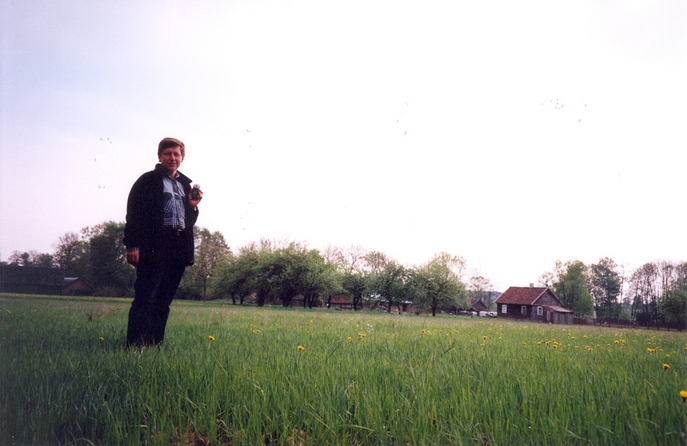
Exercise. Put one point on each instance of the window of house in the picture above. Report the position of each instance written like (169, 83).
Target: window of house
(523, 310)
(504, 309)
(540, 311)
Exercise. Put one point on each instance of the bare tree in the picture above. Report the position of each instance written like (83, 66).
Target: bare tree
(482, 289)
(666, 276)
(350, 266)
(644, 292)
(376, 261)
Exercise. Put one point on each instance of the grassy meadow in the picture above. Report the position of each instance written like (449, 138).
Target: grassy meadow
(230, 375)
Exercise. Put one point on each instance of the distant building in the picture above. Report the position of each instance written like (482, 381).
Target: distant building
(31, 280)
(533, 303)
(477, 305)
(341, 301)
(74, 286)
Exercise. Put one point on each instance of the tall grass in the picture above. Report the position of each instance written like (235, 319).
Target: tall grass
(234, 375)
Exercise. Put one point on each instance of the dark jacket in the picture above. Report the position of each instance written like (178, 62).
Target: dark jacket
(144, 214)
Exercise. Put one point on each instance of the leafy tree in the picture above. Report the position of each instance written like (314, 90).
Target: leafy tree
(285, 272)
(235, 278)
(674, 307)
(354, 283)
(109, 273)
(263, 276)
(570, 285)
(71, 254)
(32, 258)
(680, 282)
(305, 273)
(19, 258)
(22, 258)
(211, 251)
(319, 280)
(605, 287)
(388, 284)
(44, 260)
(438, 283)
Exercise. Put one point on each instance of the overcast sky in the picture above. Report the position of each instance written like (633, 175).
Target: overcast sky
(513, 134)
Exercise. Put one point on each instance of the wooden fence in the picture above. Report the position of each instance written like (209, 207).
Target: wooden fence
(668, 326)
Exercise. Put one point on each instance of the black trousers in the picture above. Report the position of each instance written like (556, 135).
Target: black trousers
(157, 278)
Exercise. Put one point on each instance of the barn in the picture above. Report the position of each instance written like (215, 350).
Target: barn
(30, 279)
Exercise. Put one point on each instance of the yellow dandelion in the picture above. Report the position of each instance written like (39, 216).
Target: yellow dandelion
(350, 338)
(683, 395)
(666, 366)
(301, 348)
(211, 337)
(650, 350)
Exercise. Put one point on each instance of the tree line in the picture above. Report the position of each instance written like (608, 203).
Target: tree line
(654, 293)
(272, 272)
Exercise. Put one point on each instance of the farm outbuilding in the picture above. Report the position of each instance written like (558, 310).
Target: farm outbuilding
(30, 279)
(533, 303)
(74, 286)
(477, 306)
(341, 301)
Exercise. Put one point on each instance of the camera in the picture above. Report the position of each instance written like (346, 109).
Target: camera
(195, 192)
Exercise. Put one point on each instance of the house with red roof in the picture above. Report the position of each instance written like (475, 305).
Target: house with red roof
(538, 304)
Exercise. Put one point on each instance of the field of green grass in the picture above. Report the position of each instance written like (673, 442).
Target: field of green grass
(230, 375)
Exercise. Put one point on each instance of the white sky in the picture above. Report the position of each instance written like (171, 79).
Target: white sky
(510, 133)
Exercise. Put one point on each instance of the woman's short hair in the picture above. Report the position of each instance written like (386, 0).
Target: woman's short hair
(166, 143)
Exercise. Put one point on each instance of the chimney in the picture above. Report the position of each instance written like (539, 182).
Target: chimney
(531, 285)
